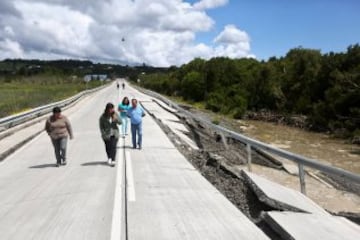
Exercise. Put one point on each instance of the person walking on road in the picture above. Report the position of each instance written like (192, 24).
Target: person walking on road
(136, 113)
(108, 123)
(59, 129)
(123, 107)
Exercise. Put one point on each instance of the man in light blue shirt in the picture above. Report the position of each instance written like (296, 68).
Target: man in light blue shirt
(136, 113)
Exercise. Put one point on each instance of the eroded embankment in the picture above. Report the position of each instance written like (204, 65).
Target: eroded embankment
(207, 161)
(219, 160)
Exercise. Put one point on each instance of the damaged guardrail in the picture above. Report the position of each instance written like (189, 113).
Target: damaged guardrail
(252, 143)
(13, 120)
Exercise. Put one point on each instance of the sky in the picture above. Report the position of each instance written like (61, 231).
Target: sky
(173, 32)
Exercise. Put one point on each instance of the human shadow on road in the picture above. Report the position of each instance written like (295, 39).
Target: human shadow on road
(99, 163)
(47, 165)
(125, 147)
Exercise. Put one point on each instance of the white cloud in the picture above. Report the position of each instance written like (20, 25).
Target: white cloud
(155, 32)
(208, 4)
(233, 42)
(231, 35)
(10, 49)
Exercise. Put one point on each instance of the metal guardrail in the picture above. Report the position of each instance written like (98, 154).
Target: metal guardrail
(252, 143)
(13, 120)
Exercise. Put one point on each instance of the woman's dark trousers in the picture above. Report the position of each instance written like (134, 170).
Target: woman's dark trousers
(110, 146)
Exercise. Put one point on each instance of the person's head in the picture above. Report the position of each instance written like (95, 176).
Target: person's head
(125, 101)
(134, 102)
(56, 112)
(109, 109)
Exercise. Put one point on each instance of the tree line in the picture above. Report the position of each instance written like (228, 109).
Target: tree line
(323, 87)
(28, 84)
(19, 69)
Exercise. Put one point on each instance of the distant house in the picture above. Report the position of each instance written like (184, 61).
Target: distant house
(89, 77)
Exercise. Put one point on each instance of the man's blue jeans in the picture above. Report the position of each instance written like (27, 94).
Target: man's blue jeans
(136, 129)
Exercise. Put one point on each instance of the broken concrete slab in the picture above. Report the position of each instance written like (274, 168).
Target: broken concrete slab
(165, 106)
(306, 226)
(170, 120)
(280, 197)
(286, 164)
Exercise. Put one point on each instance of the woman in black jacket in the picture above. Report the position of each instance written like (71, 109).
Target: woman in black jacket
(108, 123)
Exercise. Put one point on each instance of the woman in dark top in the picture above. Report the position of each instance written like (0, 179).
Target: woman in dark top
(109, 131)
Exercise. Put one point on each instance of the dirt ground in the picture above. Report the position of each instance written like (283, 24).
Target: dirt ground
(214, 148)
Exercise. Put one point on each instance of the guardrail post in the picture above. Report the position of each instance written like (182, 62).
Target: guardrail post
(248, 148)
(302, 178)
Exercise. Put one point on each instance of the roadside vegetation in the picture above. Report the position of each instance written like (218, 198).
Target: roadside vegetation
(26, 84)
(17, 96)
(322, 88)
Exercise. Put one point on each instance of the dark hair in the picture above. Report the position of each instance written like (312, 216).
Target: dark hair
(123, 101)
(56, 110)
(107, 107)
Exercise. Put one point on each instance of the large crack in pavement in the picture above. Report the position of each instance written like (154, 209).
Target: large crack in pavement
(217, 159)
(228, 183)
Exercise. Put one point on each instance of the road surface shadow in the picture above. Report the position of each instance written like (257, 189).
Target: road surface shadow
(48, 165)
(152, 147)
(99, 163)
(126, 147)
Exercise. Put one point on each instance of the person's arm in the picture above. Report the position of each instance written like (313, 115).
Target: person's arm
(128, 113)
(142, 112)
(69, 128)
(102, 128)
(116, 119)
(47, 126)
(120, 109)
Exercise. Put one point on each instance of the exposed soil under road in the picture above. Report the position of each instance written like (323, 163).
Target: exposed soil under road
(215, 149)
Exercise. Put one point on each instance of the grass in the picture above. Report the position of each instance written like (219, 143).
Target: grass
(19, 96)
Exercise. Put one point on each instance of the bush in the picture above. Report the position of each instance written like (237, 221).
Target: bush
(239, 107)
(214, 102)
(193, 86)
(215, 121)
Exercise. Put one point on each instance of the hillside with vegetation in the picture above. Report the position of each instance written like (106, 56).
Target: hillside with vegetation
(325, 88)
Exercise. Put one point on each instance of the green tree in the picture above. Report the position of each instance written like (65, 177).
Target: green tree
(302, 67)
(192, 86)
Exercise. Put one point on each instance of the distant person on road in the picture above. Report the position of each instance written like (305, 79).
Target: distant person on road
(117, 85)
(136, 113)
(123, 107)
(123, 85)
(108, 123)
(59, 129)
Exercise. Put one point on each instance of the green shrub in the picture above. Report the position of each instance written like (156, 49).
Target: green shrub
(214, 102)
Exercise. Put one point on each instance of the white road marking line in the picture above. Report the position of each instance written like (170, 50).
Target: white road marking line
(117, 210)
(130, 178)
